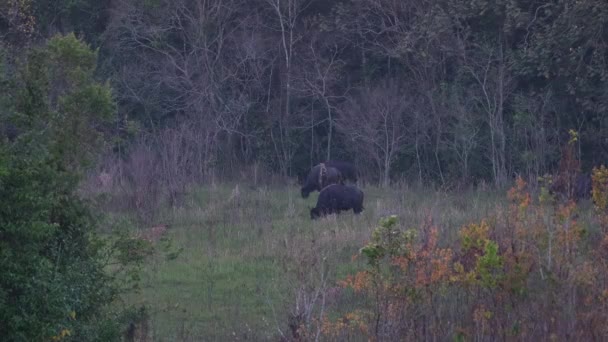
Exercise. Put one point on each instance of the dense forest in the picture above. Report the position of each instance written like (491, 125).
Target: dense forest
(122, 121)
(439, 91)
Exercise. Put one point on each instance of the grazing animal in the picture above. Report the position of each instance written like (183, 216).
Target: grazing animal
(336, 198)
(347, 169)
(319, 177)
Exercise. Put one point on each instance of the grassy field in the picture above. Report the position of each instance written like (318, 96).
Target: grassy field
(252, 258)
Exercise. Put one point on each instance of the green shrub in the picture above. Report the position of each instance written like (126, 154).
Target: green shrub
(54, 283)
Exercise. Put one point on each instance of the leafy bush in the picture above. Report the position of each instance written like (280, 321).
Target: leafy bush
(54, 283)
(532, 272)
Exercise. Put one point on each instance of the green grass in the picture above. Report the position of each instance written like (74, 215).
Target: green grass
(246, 253)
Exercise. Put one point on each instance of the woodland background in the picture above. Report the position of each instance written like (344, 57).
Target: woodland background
(443, 91)
(149, 150)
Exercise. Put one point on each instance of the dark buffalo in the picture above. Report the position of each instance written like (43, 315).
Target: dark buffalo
(329, 172)
(319, 177)
(336, 198)
(347, 169)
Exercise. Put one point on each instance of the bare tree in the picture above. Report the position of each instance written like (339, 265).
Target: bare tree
(415, 38)
(191, 60)
(286, 14)
(534, 129)
(464, 133)
(320, 79)
(491, 70)
(376, 121)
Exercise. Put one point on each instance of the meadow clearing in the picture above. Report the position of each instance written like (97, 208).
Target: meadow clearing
(252, 259)
(149, 150)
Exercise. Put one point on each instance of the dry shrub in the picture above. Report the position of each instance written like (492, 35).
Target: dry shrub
(129, 184)
(308, 263)
(153, 234)
(139, 328)
(143, 186)
(103, 180)
(179, 164)
(534, 272)
(156, 170)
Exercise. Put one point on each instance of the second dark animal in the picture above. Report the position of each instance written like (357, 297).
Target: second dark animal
(319, 177)
(336, 198)
(347, 169)
(329, 172)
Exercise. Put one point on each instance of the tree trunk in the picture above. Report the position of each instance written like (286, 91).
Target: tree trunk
(329, 134)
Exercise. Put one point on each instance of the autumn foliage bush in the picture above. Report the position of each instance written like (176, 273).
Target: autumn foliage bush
(532, 271)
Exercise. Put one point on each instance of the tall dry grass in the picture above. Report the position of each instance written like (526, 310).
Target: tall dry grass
(254, 266)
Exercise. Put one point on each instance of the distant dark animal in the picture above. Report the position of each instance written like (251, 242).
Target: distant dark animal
(319, 177)
(348, 170)
(336, 198)
(575, 187)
